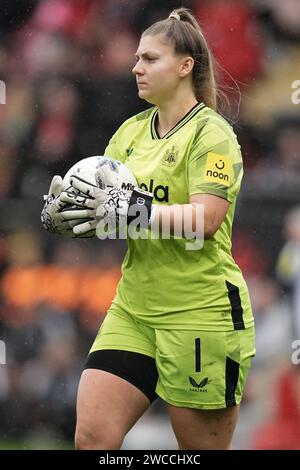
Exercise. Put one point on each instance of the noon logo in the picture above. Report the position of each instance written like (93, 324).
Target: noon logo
(218, 169)
(170, 157)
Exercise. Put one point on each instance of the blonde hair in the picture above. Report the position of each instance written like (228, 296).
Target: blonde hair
(183, 30)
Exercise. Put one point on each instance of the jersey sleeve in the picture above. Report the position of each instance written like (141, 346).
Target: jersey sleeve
(215, 163)
(114, 148)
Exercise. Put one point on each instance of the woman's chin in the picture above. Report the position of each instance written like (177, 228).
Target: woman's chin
(142, 93)
(146, 96)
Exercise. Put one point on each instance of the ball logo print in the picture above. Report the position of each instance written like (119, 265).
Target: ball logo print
(127, 186)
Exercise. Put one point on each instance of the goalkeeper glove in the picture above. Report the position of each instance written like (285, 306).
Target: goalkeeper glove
(51, 216)
(113, 206)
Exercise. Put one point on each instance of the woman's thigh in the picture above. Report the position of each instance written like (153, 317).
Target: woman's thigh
(107, 408)
(118, 383)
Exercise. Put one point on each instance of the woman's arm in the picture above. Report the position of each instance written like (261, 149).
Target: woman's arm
(203, 216)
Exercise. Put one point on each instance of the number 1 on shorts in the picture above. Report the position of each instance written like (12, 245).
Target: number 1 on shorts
(197, 354)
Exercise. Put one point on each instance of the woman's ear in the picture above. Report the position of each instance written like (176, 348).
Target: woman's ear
(186, 66)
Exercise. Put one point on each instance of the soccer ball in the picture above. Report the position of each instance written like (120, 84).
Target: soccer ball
(103, 172)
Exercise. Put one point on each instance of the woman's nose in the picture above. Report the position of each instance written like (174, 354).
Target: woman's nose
(137, 69)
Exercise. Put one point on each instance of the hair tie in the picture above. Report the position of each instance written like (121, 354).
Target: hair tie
(175, 15)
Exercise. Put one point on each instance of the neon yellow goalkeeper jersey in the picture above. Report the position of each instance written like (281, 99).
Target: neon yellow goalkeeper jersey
(163, 284)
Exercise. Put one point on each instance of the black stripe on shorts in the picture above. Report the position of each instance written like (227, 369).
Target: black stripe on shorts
(138, 369)
(232, 377)
(236, 306)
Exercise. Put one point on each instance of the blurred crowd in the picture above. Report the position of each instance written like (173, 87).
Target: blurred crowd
(67, 66)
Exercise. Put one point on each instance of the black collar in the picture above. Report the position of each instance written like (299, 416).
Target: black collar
(190, 114)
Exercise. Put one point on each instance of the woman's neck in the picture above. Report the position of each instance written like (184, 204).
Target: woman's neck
(170, 113)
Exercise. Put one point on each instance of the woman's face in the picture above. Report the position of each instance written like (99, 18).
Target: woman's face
(158, 69)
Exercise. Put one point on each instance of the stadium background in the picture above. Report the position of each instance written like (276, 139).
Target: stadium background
(66, 65)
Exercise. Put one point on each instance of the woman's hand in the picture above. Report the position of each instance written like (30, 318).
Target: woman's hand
(52, 213)
(113, 207)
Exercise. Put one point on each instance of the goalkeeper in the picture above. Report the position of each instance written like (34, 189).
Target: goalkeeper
(180, 326)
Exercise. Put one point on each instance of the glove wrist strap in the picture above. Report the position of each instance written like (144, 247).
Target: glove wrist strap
(140, 204)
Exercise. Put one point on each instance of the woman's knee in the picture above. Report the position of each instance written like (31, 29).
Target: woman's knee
(202, 444)
(86, 439)
(204, 429)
